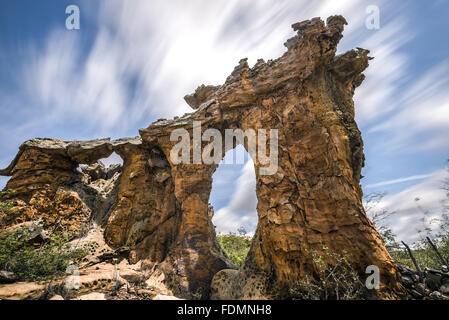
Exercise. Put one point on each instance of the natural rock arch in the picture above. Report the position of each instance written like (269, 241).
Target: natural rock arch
(233, 195)
(314, 199)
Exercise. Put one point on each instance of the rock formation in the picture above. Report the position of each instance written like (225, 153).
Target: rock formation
(160, 210)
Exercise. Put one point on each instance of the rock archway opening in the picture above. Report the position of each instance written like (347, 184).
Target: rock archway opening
(101, 179)
(103, 168)
(313, 202)
(234, 200)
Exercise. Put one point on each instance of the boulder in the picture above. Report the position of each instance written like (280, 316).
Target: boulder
(444, 289)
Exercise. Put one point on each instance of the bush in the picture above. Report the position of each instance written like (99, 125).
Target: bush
(422, 251)
(32, 263)
(6, 205)
(236, 247)
(424, 254)
(336, 281)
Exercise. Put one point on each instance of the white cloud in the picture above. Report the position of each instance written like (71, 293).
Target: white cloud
(424, 114)
(242, 208)
(408, 212)
(376, 96)
(146, 55)
(399, 180)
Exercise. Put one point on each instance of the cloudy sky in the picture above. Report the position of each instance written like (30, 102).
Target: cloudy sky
(131, 63)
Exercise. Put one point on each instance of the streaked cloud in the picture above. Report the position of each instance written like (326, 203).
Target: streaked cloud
(422, 122)
(410, 206)
(241, 210)
(146, 55)
(400, 180)
(376, 96)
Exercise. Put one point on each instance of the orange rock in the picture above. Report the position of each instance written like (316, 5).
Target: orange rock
(161, 210)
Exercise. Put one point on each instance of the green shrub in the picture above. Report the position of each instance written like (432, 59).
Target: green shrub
(32, 263)
(422, 251)
(424, 254)
(7, 193)
(334, 281)
(236, 247)
(6, 205)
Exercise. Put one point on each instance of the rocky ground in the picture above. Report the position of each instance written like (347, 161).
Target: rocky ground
(104, 274)
(427, 285)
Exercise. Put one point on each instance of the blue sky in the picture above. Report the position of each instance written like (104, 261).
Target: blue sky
(132, 62)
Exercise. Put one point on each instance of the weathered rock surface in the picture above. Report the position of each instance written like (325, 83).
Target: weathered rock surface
(48, 185)
(160, 210)
(103, 280)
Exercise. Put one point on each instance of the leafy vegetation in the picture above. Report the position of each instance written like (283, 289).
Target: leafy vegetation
(336, 281)
(7, 193)
(436, 229)
(422, 250)
(6, 205)
(236, 246)
(30, 262)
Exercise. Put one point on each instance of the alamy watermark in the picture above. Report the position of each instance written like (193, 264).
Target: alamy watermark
(72, 281)
(372, 21)
(373, 280)
(212, 153)
(72, 22)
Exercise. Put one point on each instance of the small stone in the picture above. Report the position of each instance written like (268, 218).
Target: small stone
(407, 272)
(444, 289)
(438, 296)
(56, 297)
(433, 281)
(416, 294)
(7, 277)
(407, 281)
(422, 289)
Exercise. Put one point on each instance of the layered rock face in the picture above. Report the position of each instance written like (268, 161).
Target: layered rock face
(160, 209)
(47, 184)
